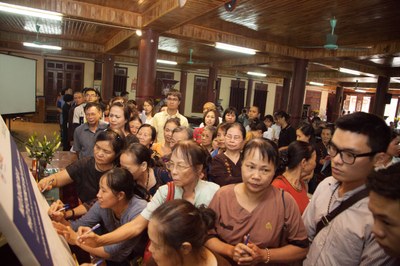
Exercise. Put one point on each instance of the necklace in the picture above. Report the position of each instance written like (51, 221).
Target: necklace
(99, 168)
(298, 188)
(330, 200)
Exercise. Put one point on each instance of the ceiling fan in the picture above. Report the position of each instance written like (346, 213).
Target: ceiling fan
(331, 40)
(191, 62)
(37, 44)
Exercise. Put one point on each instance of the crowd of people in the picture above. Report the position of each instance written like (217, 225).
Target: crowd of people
(236, 190)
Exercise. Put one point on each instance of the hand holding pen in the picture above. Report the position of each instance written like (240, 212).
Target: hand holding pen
(46, 184)
(57, 210)
(91, 230)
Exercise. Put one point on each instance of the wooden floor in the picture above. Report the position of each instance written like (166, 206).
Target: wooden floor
(22, 130)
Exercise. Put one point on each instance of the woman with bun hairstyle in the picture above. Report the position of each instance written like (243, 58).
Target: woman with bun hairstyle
(299, 164)
(137, 159)
(178, 231)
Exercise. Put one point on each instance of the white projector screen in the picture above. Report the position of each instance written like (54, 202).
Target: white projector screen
(17, 85)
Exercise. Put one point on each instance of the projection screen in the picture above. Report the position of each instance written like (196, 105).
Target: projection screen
(17, 85)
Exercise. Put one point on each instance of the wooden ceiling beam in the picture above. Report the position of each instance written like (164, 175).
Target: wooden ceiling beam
(368, 85)
(65, 44)
(210, 36)
(167, 14)
(383, 48)
(252, 60)
(334, 65)
(119, 42)
(85, 11)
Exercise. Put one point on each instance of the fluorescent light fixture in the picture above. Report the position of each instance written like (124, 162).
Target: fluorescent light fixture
(349, 71)
(167, 62)
(256, 74)
(316, 83)
(42, 46)
(361, 91)
(234, 48)
(27, 11)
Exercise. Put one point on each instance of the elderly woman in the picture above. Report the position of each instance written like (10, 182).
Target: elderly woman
(299, 164)
(265, 218)
(187, 166)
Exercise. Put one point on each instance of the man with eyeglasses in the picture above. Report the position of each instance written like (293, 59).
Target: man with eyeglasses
(159, 119)
(345, 237)
(91, 96)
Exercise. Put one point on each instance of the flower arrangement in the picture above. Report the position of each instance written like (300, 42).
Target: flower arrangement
(42, 149)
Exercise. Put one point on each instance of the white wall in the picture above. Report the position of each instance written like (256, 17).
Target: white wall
(88, 70)
(324, 99)
(132, 74)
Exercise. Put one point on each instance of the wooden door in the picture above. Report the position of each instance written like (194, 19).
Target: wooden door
(59, 75)
(199, 93)
(260, 97)
(236, 98)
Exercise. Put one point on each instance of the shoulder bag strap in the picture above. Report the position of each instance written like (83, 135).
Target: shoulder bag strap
(171, 191)
(325, 220)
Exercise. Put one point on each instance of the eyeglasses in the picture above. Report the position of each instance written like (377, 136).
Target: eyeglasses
(179, 167)
(346, 156)
(172, 99)
(236, 137)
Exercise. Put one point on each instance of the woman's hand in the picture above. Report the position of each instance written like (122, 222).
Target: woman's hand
(256, 255)
(54, 212)
(87, 237)
(242, 254)
(66, 231)
(44, 184)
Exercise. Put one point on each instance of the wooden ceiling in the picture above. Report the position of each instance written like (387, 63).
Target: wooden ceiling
(280, 30)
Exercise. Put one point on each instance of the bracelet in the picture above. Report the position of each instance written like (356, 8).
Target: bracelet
(72, 216)
(268, 256)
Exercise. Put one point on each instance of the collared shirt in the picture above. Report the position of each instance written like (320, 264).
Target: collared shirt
(159, 120)
(348, 239)
(78, 113)
(84, 139)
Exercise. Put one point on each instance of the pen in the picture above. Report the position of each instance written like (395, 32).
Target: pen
(246, 240)
(98, 263)
(48, 184)
(91, 230)
(66, 206)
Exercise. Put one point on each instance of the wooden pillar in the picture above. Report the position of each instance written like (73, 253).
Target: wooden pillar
(285, 95)
(337, 112)
(249, 92)
(182, 89)
(211, 89)
(146, 75)
(297, 91)
(381, 91)
(107, 78)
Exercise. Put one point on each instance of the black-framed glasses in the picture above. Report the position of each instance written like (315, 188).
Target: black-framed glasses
(346, 156)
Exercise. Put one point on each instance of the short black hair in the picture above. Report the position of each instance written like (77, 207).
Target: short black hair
(385, 182)
(370, 125)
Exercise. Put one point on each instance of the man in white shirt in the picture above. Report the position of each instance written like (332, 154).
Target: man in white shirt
(159, 119)
(358, 144)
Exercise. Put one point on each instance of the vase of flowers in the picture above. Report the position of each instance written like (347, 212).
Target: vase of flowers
(42, 150)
